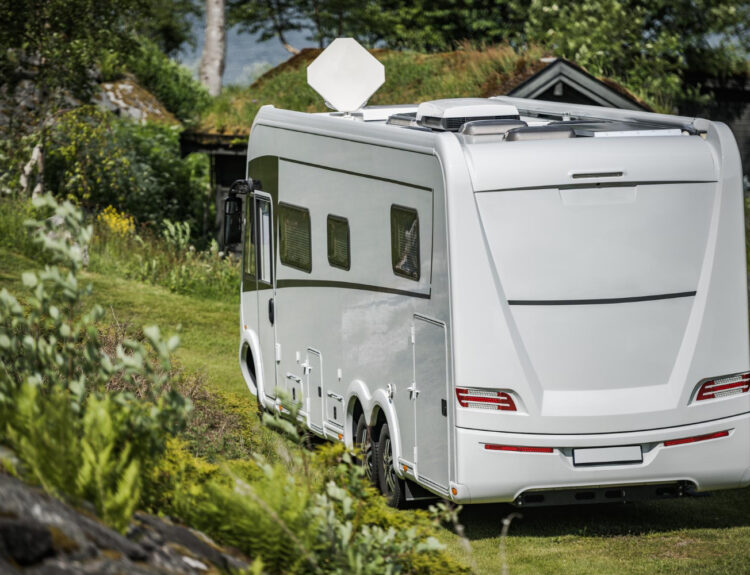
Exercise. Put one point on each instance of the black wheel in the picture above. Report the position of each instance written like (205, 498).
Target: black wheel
(390, 485)
(363, 441)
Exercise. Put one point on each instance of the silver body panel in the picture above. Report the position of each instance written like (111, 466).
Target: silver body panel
(601, 302)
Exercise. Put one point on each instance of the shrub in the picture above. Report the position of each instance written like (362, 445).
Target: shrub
(116, 223)
(325, 518)
(73, 437)
(169, 260)
(172, 83)
(98, 160)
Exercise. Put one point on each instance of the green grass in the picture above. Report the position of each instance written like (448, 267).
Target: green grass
(410, 78)
(692, 535)
(209, 339)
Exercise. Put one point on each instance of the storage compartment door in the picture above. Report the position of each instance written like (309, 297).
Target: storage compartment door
(314, 369)
(431, 385)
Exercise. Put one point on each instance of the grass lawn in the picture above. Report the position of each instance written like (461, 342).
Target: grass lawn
(693, 535)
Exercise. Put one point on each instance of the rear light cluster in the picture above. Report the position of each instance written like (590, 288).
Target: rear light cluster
(696, 438)
(517, 448)
(724, 387)
(485, 399)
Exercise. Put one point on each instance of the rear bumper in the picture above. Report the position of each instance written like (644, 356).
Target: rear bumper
(484, 476)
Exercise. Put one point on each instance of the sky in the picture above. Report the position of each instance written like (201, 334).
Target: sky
(247, 58)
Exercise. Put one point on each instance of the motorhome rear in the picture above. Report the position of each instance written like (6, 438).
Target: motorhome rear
(502, 299)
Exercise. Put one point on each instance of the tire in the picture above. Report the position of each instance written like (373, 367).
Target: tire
(391, 486)
(368, 450)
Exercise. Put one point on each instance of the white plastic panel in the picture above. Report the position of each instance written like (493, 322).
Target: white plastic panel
(501, 476)
(551, 244)
(603, 347)
(537, 163)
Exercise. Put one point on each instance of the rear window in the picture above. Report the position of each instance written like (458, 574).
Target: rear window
(294, 237)
(405, 242)
(338, 242)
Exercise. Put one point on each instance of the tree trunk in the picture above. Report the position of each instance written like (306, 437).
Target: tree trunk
(214, 47)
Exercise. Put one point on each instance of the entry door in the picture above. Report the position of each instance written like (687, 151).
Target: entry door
(431, 383)
(266, 290)
(315, 391)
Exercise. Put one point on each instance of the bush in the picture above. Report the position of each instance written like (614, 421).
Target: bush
(73, 437)
(325, 518)
(94, 420)
(97, 160)
(172, 84)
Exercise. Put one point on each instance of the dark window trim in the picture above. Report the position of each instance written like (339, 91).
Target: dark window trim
(343, 220)
(249, 228)
(258, 247)
(396, 271)
(309, 230)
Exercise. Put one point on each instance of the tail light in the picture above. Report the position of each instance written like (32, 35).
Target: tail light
(517, 448)
(724, 387)
(485, 399)
(696, 438)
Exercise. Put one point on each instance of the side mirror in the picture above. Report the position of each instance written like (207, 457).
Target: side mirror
(232, 220)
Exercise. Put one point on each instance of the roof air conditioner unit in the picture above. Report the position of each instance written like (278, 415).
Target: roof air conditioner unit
(450, 115)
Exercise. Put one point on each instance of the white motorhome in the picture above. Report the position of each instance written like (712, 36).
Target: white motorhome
(503, 299)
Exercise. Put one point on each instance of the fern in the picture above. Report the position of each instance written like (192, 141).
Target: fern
(75, 439)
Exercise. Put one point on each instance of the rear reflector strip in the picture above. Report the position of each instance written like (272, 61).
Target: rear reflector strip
(485, 399)
(696, 438)
(517, 448)
(724, 387)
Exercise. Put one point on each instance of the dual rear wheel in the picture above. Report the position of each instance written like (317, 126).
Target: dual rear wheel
(377, 462)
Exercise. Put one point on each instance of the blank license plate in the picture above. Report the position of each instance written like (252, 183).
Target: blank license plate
(602, 455)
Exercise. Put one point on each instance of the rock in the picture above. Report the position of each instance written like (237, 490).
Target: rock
(8, 569)
(25, 542)
(40, 535)
(195, 543)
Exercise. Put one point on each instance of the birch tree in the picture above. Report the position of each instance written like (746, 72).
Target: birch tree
(214, 47)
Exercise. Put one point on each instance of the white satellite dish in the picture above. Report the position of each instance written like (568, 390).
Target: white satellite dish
(345, 75)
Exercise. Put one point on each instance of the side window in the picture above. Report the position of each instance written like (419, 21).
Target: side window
(338, 242)
(248, 249)
(405, 242)
(294, 237)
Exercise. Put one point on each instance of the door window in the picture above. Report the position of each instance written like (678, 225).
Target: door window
(263, 223)
(248, 249)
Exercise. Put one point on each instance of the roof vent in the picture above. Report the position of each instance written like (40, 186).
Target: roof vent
(450, 115)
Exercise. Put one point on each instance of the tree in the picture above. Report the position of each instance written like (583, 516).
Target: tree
(650, 45)
(168, 23)
(269, 18)
(49, 52)
(214, 47)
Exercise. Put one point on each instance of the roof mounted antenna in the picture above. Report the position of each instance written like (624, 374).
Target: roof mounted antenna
(345, 75)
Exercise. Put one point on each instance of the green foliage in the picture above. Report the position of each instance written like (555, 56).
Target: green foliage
(75, 439)
(298, 525)
(410, 77)
(171, 83)
(57, 44)
(168, 23)
(170, 261)
(607, 38)
(99, 160)
(14, 235)
(648, 45)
